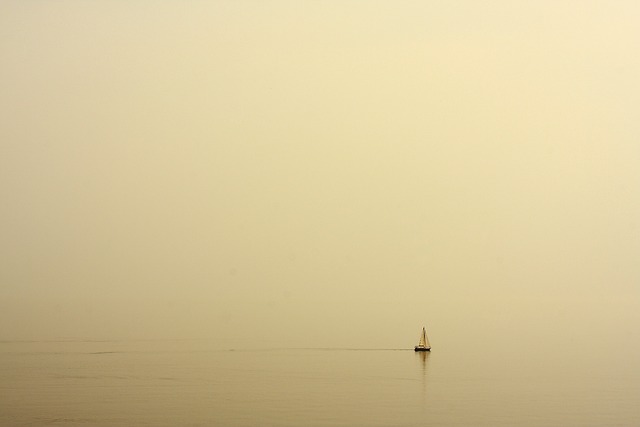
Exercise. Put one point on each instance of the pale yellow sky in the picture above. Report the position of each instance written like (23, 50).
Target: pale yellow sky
(328, 173)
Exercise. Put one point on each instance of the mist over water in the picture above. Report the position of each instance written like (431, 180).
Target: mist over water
(184, 179)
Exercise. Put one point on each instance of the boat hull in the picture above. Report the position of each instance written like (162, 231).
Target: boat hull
(422, 349)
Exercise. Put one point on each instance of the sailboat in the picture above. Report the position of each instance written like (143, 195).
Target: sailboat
(423, 345)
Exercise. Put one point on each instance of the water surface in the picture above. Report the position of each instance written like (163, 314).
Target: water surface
(168, 383)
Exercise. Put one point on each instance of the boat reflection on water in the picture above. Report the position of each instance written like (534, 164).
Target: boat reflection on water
(422, 358)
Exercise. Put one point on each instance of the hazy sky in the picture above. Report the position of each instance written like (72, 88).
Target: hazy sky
(339, 173)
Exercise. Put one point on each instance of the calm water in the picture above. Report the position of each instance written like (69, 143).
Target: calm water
(183, 383)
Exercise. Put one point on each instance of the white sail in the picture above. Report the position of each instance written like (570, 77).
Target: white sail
(424, 341)
(423, 338)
